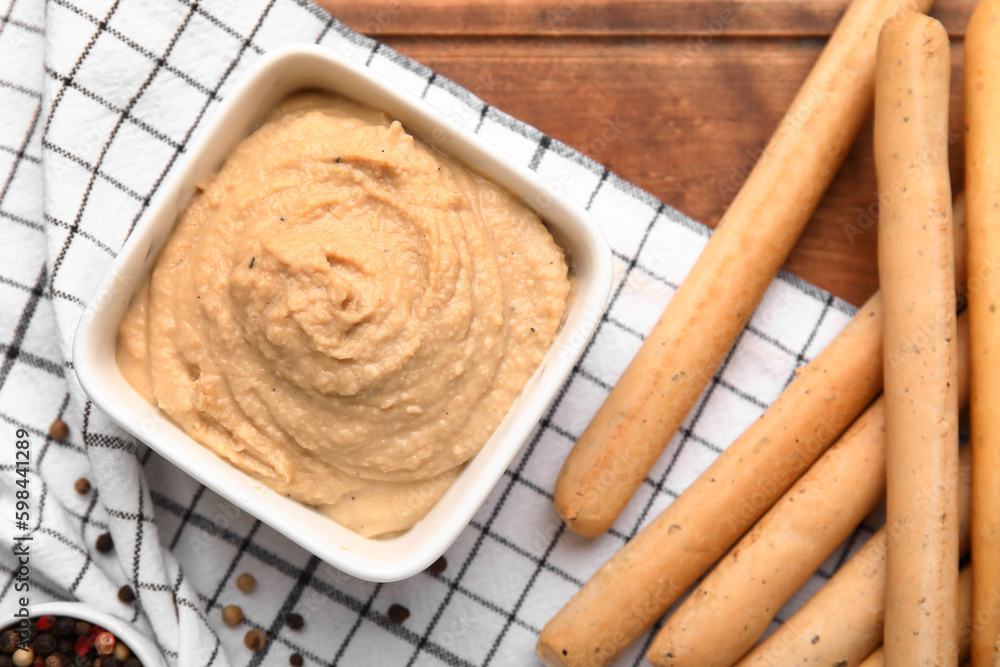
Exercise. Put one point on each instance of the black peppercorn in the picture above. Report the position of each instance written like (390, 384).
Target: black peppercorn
(9, 641)
(126, 594)
(65, 627)
(398, 613)
(45, 643)
(104, 543)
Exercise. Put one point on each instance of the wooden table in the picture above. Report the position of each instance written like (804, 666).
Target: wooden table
(694, 87)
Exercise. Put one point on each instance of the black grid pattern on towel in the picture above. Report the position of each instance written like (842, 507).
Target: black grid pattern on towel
(483, 609)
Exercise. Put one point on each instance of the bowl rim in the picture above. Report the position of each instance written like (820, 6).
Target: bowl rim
(554, 370)
(144, 648)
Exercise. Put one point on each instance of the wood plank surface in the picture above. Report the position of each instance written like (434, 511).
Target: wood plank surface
(694, 106)
(732, 18)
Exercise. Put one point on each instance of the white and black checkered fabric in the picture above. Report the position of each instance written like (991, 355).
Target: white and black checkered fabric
(98, 98)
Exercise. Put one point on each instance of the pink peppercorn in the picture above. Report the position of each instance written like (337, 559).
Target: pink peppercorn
(104, 643)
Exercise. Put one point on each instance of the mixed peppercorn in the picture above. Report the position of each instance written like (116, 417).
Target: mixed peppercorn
(60, 641)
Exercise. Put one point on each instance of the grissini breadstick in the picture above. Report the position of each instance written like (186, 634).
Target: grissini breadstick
(842, 623)
(626, 596)
(733, 606)
(916, 271)
(982, 173)
(717, 298)
(651, 572)
(877, 658)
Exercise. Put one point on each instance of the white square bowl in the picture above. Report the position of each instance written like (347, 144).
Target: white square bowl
(275, 76)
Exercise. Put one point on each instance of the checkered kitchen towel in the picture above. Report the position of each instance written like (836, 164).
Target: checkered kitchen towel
(98, 99)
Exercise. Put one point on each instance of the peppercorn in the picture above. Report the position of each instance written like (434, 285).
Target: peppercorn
(54, 661)
(126, 594)
(439, 566)
(58, 430)
(23, 657)
(398, 613)
(121, 652)
(64, 626)
(104, 643)
(294, 621)
(109, 661)
(83, 645)
(83, 628)
(133, 662)
(45, 643)
(83, 661)
(246, 583)
(9, 641)
(104, 543)
(64, 645)
(254, 640)
(295, 660)
(5, 660)
(232, 615)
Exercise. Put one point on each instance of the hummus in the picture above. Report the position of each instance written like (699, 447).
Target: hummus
(345, 314)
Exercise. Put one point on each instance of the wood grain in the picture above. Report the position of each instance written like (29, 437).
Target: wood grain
(733, 18)
(695, 109)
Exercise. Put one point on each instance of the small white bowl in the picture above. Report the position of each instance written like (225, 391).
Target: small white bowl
(275, 76)
(141, 646)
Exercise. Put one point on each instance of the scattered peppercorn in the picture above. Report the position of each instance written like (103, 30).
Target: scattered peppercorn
(83, 628)
(5, 660)
(295, 660)
(398, 613)
(126, 594)
(64, 644)
(82, 486)
(54, 661)
(107, 661)
(246, 583)
(104, 543)
(58, 430)
(439, 566)
(254, 640)
(294, 621)
(82, 661)
(133, 662)
(232, 615)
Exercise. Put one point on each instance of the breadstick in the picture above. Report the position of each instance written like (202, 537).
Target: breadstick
(877, 659)
(715, 301)
(916, 270)
(733, 606)
(982, 173)
(842, 622)
(626, 596)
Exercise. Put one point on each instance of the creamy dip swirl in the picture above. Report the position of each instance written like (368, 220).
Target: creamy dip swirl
(345, 314)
